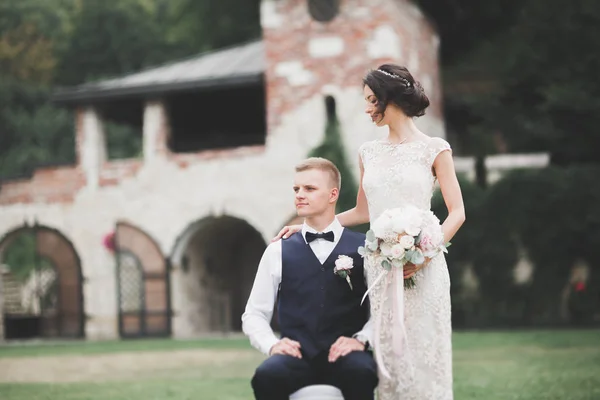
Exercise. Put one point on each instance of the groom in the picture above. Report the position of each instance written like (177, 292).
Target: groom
(324, 328)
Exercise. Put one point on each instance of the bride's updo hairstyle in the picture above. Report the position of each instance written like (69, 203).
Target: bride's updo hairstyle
(394, 84)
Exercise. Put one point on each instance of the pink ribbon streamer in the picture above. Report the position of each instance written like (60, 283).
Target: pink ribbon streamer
(394, 281)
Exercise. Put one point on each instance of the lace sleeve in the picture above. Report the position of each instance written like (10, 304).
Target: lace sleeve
(362, 152)
(436, 146)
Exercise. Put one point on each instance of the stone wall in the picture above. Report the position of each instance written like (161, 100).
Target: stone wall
(163, 193)
(308, 60)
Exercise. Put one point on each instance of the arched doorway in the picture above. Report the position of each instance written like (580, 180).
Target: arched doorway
(142, 284)
(216, 260)
(42, 284)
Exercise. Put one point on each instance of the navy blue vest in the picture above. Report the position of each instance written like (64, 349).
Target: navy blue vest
(315, 305)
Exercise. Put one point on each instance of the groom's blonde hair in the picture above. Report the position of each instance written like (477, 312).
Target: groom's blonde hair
(324, 165)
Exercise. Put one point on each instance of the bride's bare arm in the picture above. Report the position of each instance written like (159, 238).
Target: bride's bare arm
(360, 213)
(446, 175)
(444, 170)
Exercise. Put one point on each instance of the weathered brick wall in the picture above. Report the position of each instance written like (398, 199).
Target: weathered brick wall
(162, 194)
(309, 60)
(306, 57)
(48, 185)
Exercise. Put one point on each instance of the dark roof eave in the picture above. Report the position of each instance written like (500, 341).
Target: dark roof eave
(92, 94)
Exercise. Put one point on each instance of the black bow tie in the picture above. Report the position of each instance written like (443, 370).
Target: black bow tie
(312, 236)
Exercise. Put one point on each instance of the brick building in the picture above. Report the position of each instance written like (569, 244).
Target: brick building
(168, 243)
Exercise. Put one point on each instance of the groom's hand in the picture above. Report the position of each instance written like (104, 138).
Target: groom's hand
(344, 346)
(287, 347)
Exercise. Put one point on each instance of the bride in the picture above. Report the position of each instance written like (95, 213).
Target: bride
(403, 169)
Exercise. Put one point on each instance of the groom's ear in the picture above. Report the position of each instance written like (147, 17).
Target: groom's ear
(334, 195)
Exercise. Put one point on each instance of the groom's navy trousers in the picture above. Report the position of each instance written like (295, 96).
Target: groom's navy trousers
(281, 375)
(315, 308)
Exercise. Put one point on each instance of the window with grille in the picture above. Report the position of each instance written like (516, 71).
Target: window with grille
(130, 283)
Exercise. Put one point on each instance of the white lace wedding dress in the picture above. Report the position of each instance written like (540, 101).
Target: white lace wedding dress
(394, 175)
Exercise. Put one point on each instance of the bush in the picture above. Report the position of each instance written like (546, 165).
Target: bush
(462, 250)
(552, 216)
(580, 304)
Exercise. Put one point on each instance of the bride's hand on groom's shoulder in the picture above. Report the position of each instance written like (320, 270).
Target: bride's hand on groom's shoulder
(286, 347)
(286, 232)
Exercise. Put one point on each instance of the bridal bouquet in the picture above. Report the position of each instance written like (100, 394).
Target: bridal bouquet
(404, 235)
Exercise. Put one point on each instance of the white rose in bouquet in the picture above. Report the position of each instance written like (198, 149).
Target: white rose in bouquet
(382, 226)
(407, 241)
(386, 249)
(397, 251)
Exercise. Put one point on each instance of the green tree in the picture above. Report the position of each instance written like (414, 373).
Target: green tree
(533, 83)
(332, 148)
(465, 24)
(22, 258)
(32, 131)
(27, 55)
(210, 24)
(32, 35)
(550, 80)
(110, 38)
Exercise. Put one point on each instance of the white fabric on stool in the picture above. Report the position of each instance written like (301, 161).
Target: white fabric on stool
(318, 392)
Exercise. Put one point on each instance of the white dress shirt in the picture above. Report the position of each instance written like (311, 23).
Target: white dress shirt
(256, 320)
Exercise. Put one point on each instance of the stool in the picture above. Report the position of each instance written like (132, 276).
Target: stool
(318, 392)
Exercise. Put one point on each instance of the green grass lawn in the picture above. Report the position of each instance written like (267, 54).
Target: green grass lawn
(37, 349)
(544, 365)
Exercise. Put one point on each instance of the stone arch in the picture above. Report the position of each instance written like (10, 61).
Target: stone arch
(215, 261)
(143, 287)
(48, 299)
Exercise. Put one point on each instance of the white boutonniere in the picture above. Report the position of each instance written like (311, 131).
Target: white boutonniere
(343, 265)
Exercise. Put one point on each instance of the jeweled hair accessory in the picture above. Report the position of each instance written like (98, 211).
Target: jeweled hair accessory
(404, 80)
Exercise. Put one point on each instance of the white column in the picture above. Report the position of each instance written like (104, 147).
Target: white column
(154, 130)
(93, 149)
